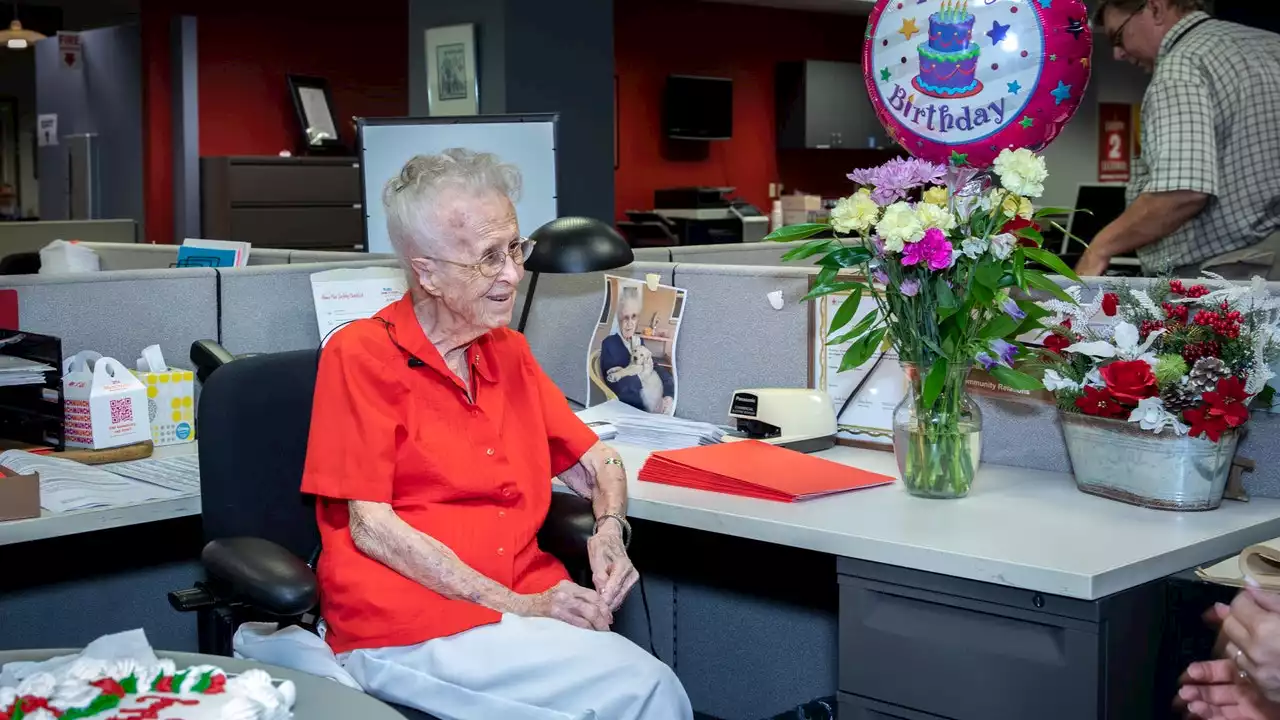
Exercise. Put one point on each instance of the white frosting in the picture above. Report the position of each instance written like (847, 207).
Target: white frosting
(249, 696)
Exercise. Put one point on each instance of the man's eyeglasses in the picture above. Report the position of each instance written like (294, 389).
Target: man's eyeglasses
(1117, 37)
(493, 261)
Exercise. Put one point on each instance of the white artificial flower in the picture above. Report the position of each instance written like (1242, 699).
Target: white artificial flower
(933, 216)
(1152, 415)
(1022, 172)
(1094, 378)
(899, 226)
(1053, 382)
(1002, 245)
(1125, 345)
(856, 213)
(974, 247)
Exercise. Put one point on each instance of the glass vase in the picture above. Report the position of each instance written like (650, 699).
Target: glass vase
(939, 447)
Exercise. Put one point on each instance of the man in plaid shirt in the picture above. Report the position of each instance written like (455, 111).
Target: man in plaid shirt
(1206, 193)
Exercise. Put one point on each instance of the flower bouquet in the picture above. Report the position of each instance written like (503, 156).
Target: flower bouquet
(940, 251)
(1154, 385)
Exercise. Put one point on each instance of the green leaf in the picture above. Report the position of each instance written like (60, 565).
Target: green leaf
(809, 249)
(846, 256)
(988, 274)
(1051, 261)
(846, 312)
(834, 287)
(1039, 281)
(946, 298)
(1046, 212)
(981, 294)
(934, 346)
(826, 276)
(1019, 265)
(1029, 233)
(863, 326)
(861, 351)
(791, 233)
(1016, 380)
(934, 382)
(999, 327)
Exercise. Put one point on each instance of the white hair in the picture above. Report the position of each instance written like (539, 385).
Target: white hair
(409, 197)
(628, 294)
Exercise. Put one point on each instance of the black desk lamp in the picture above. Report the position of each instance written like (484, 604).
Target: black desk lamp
(573, 245)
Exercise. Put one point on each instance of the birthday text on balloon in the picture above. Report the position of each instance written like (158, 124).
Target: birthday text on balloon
(941, 118)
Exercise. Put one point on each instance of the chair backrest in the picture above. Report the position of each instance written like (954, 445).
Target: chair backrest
(255, 415)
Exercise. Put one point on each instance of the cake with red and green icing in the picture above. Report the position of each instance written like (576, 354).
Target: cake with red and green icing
(127, 690)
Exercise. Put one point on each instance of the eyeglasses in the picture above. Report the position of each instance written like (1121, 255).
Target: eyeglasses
(1117, 37)
(493, 261)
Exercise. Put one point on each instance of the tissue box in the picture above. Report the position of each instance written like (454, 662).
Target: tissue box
(171, 403)
(105, 403)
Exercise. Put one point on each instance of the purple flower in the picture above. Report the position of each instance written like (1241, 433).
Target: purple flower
(1005, 351)
(880, 276)
(959, 177)
(891, 182)
(878, 244)
(934, 250)
(986, 361)
(909, 287)
(1012, 310)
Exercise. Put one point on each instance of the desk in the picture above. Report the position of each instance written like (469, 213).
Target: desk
(51, 525)
(1028, 599)
(318, 698)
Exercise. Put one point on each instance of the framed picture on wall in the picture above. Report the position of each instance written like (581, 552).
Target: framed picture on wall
(317, 124)
(453, 85)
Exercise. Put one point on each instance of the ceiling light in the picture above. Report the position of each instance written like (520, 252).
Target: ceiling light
(18, 37)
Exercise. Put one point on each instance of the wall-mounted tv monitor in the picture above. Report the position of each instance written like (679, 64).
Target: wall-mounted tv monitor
(698, 108)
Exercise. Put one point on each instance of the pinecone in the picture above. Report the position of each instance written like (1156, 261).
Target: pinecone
(1180, 397)
(1206, 374)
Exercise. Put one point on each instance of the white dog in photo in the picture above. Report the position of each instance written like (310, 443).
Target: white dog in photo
(642, 367)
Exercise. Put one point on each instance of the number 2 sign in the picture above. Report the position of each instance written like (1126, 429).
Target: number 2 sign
(1115, 142)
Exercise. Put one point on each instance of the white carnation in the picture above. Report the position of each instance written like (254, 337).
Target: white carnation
(856, 213)
(900, 225)
(1022, 172)
(933, 216)
(1002, 245)
(973, 247)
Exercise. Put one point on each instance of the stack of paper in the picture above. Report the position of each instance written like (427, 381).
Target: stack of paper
(1260, 563)
(758, 470)
(20, 371)
(650, 431)
(180, 473)
(68, 485)
(213, 253)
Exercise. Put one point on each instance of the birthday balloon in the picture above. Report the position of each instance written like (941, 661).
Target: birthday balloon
(957, 81)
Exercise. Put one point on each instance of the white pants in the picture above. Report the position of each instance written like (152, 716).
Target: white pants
(524, 669)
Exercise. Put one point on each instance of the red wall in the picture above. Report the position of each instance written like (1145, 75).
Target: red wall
(245, 50)
(657, 38)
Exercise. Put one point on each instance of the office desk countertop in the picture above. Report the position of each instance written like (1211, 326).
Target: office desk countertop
(1019, 528)
(52, 525)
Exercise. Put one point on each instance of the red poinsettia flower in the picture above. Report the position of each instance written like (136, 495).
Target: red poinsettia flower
(1228, 402)
(1130, 381)
(1110, 304)
(1098, 402)
(1013, 226)
(1204, 424)
(1056, 343)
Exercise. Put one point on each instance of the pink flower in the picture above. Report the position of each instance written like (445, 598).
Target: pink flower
(934, 250)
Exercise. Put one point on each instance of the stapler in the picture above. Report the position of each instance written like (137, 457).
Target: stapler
(795, 418)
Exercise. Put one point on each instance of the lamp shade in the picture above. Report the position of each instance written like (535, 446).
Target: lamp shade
(577, 245)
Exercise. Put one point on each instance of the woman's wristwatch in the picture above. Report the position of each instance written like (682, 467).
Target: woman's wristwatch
(622, 522)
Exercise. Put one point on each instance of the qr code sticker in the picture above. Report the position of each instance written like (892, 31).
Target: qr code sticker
(121, 410)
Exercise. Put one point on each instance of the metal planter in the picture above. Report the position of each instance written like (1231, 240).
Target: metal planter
(1121, 461)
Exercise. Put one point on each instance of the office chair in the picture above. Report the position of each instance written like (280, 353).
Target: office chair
(254, 418)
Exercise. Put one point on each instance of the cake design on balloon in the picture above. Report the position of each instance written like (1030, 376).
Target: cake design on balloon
(949, 58)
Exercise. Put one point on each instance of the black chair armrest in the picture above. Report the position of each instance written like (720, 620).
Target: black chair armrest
(261, 574)
(564, 533)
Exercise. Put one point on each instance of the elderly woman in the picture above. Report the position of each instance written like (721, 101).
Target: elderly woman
(626, 372)
(434, 439)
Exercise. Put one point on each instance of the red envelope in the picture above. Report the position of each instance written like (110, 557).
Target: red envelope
(756, 469)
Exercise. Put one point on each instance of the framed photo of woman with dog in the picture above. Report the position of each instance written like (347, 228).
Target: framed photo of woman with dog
(632, 355)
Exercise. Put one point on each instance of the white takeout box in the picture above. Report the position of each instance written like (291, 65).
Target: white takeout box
(106, 405)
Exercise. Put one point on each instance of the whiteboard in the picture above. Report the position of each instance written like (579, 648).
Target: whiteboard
(526, 141)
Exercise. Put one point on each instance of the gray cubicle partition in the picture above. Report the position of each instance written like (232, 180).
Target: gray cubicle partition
(566, 309)
(270, 309)
(120, 313)
(757, 253)
(156, 257)
(35, 235)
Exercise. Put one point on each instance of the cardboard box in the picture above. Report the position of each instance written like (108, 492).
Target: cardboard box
(19, 495)
(106, 405)
(799, 209)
